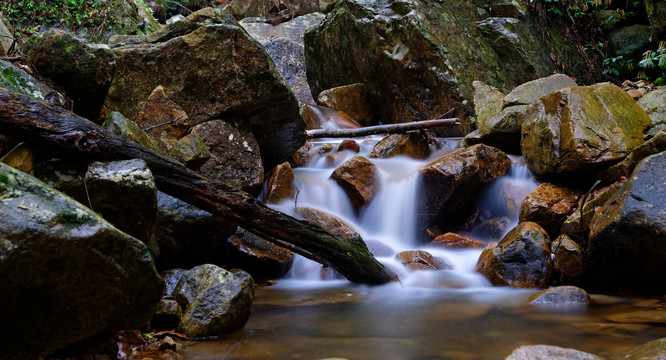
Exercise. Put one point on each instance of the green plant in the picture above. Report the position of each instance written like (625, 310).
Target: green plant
(616, 65)
(655, 60)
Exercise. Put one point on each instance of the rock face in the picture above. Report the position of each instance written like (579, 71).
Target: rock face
(83, 70)
(6, 37)
(417, 59)
(260, 258)
(548, 205)
(124, 192)
(215, 301)
(212, 69)
(358, 177)
(415, 145)
(452, 181)
(626, 249)
(521, 259)
(580, 130)
(235, 157)
(352, 99)
(68, 275)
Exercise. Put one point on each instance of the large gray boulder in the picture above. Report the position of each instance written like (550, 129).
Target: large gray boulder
(626, 247)
(210, 67)
(654, 104)
(68, 276)
(14, 79)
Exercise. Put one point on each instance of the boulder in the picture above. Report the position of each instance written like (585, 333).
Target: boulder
(488, 102)
(580, 130)
(522, 259)
(531, 91)
(630, 41)
(6, 36)
(453, 240)
(294, 7)
(68, 275)
(574, 224)
(568, 260)
(129, 130)
(188, 236)
(14, 79)
(530, 352)
(654, 104)
(162, 119)
(328, 222)
(65, 176)
(451, 183)
(421, 260)
(21, 157)
(212, 69)
(414, 145)
(235, 157)
(293, 29)
(262, 259)
(625, 249)
(501, 131)
(352, 99)
(125, 194)
(83, 70)
(508, 8)
(653, 350)
(215, 301)
(167, 314)
(416, 59)
(561, 295)
(192, 150)
(548, 205)
(359, 178)
(280, 185)
(625, 167)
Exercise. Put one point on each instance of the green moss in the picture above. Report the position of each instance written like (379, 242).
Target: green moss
(72, 219)
(4, 178)
(14, 78)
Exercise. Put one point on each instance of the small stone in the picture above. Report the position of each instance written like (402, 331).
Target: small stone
(280, 185)
(414, 144)
(351, 99)
(422, 260)
(358, 177)
(349, 145)
(561, 295)
(548, 352)
(453, 240)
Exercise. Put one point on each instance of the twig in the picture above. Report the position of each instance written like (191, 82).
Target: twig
(379, 129)
(162, 124)
(85, 186)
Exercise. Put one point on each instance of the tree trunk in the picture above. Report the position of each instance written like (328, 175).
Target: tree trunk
(61, 132)
(379, 129)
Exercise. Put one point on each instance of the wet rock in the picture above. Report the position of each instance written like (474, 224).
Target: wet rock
(630, 41)
(548, 205)
(624, 250)
(262, 259)
(68, 275)
(522, 259)
(192, 150)
(167, 314)
(293, 29)
(529, 352)
(83, 70)
(568, 260)
(319, 117)
(349, 145)
(589, 129)
(352, 99)
(493, 229)
(235, 158)
(453, 240)
(531, 91)
(328, 222)
(162, 119)
(561, 295)
(281, 184)
(180, 58)
(215, 301)
(421, 260)
(129, 130)
(358, 177)
(501, 131)
(188, 236)
(654, 104)
(488, 102)
(654, 131)
(624, 168)
(325, 148)
(508, 8)
(171, 278)
(653, 350)
(65, 176)
(14, 79)
(303, 155)
(413, 144)
(451, 183)
(21, 158)
(124, 192)
(514, 194)
(574, 225)
(6, 36)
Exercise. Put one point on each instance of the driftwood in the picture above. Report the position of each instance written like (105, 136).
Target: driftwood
(63, 133)
(379, 129)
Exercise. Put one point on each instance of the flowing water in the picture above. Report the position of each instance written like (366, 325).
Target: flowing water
(446, 314)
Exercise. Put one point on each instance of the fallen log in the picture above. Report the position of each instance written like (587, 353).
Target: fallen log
(63, 133)
(379, 129)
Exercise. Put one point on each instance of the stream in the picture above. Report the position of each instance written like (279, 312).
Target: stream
(445, 314)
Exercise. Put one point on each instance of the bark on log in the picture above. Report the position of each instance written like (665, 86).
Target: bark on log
(379, 129)
(65, 134)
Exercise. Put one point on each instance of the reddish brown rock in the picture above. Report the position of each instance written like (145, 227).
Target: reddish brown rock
(414, 145)
(421, 260)
(358, 177)
(302, 156)
(453, 240)
(319, 117)
(21, 158)
(522, 259)
(349, 145)
(280, 184)
(352, 99)
(548, 205)
(568, 262)
(163, 119)
(328, 222)
(574, 224)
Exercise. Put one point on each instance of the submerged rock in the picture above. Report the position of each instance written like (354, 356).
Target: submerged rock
(358, 177)
(522, 259)
(68, 275)
(625, 250)
(561, 295)
(546, 352)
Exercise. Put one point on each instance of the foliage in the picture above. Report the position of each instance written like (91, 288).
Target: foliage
(655, 60)
(29, 16)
